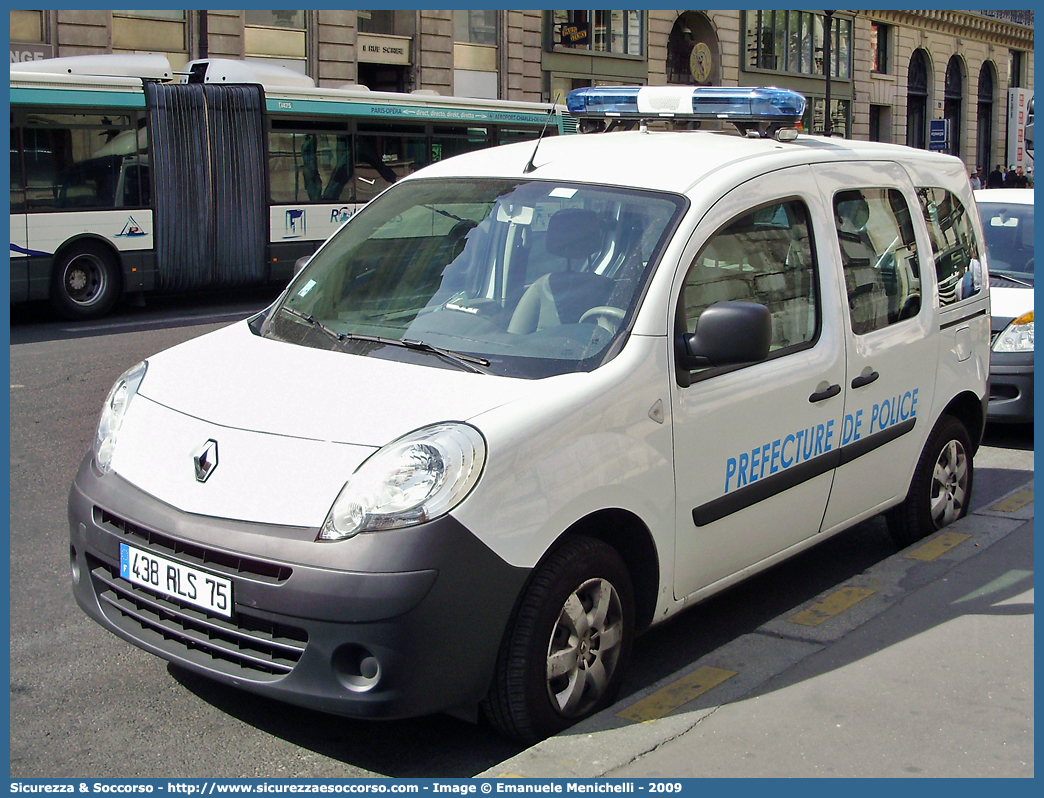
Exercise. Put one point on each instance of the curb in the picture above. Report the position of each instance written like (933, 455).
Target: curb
(677, 703)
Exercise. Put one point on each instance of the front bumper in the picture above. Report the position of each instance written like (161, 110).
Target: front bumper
(1011, 387)
(393, 624)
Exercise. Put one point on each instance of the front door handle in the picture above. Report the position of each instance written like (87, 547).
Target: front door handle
(865, 379)
(827, 393)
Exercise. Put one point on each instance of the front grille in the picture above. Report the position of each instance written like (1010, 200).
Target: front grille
(245, 645)
(218, 561)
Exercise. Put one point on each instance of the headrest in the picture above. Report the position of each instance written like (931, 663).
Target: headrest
(851, 206)
(574, 234)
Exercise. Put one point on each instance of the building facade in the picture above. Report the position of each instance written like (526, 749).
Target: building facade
(881, 75)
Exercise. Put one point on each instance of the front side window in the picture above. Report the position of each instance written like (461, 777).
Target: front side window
(763, 257)
(957, 265)
(514, 277)
(879, 257)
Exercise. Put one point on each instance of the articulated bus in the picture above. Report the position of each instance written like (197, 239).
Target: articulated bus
(127, 178)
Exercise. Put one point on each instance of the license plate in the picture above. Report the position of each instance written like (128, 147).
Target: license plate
(207, 591)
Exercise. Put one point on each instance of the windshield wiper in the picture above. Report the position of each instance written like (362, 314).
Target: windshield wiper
(312, 320)
(1008, 276)
(472, 363)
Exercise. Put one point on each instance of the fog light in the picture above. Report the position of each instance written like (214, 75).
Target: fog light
(357, 668)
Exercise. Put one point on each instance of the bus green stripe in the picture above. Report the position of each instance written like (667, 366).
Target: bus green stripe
(100, 99)
(404, 113)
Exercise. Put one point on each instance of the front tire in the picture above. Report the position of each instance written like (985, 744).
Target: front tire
(566, 656)
(86, 281)
(941, 487)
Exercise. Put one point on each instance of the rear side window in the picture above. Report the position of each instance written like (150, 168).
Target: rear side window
(879, 256)
(764, 257)
(957, 264)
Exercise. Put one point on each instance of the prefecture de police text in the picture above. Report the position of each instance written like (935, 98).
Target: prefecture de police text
(804, 444)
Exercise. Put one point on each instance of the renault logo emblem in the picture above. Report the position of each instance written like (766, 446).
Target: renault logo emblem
(206, 460)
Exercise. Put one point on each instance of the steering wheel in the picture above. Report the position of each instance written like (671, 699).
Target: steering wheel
(608, 317)
(1029, 266)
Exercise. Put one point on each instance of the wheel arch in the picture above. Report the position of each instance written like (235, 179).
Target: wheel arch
(970, 410)
(630, 537)
(82, 238)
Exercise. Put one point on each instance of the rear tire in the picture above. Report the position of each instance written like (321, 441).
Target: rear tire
(567, 654)
(86, 281)
(941, 486)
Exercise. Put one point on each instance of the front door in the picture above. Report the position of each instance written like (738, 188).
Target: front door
(755, 446)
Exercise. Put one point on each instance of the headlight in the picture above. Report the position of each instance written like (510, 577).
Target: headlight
(415, 479)
(113, 411)
(1017, 336)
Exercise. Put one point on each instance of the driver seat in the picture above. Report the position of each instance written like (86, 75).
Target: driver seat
(563, 297)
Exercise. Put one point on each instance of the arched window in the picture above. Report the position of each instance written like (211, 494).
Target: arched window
(917, 100)
(984, 126)
(953, 95)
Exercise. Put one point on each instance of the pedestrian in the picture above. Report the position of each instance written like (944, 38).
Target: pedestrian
(1020, 180)
(1009, 177)
(976, 182)
(995, 178)
(1029, 176)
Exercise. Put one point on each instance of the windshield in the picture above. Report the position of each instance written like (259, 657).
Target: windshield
(1008, 228)
(512, 277)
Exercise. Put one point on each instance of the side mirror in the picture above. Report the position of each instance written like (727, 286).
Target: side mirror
(300, 263)
(727, 334)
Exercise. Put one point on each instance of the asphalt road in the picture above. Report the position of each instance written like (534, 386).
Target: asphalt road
(86, 704)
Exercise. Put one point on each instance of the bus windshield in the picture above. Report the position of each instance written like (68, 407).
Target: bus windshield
(514, 277)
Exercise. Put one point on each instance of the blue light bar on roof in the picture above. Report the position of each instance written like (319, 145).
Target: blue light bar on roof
(728, 103)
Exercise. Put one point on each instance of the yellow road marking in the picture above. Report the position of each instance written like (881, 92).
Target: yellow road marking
(940, 545)
(832, 605)
(669, 698)
(1015, 501)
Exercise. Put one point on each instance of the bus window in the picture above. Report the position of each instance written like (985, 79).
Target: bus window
(451, 141)
(308, 163)
(384, 153)
(79, 161)
(17, 184)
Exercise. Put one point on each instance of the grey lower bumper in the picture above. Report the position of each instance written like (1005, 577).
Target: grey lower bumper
(1011, 388)
(395, 624)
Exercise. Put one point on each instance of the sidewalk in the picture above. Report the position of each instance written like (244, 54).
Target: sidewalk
(920, 666)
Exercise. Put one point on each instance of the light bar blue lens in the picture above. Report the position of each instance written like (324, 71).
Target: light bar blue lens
(758, 104)
(607, 101)
(767, 104)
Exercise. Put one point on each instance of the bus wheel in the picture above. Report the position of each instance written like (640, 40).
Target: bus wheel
(566, 656)
(86, 281)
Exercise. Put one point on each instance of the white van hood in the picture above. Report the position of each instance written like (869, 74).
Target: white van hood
(233, 378)
(1010, 303)
(289, 424)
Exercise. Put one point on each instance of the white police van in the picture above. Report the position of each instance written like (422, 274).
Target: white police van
(533, 400)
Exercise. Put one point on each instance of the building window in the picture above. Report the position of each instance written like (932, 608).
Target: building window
(154, 31)
(880, 122)
(952, 96)
(793, 41)
(917, 100)
(879, 47)
(985, 117)
(386, 22)
(276, 35)
(618, 32)
(151, 14)
(27, 26)
(1015, 70)
(475, 26)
